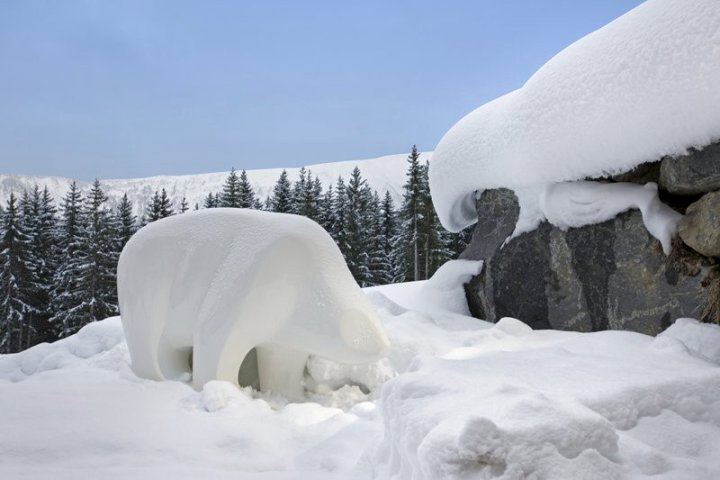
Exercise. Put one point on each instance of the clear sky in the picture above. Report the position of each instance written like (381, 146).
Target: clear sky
(122, 88)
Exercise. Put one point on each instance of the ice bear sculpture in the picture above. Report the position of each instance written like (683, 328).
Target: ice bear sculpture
(199, 291)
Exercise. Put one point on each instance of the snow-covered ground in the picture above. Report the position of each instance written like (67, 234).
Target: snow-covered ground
(455, 398)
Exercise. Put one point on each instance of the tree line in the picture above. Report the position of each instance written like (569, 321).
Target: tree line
(58, 265)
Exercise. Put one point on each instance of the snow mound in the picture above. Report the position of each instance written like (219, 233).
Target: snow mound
(443, 293)
(99, 343)
(641, 87)
(700, 339)
(574, 406)
(217, 283)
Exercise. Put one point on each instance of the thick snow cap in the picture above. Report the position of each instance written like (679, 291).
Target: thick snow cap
(644, 86)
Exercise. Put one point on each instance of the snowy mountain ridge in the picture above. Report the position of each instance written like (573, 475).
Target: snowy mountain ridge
(386, 173)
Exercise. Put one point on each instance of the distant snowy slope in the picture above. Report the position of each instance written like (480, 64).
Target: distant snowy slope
(639, 88)
(383, 173)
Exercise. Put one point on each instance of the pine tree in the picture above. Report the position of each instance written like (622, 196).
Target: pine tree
(246, 195)
(230, 196)
(184, 207)
(306, 195)
(297, 197)
(340, 211)
(211, 201)
(411, 217)
(69, 243)
(377, 261)
(152, 211)
(326, 212)
(15, 282)
(358, 224)
(166, 209)
(311, 196)
(125, 221)
(434, 238)
(387, 270)
(88, 289)
(280, 200)
(40, 226)
(159, 207)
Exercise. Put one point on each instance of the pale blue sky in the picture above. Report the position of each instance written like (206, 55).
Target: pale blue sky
(134, 88)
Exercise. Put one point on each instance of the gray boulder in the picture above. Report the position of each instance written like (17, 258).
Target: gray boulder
(695, 173)
(498, 211)
(700, 227)
(611, 275)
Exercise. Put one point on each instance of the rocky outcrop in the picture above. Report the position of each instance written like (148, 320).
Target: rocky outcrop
(695, 173)
(700, 227)
(498, 211)
(611, 275)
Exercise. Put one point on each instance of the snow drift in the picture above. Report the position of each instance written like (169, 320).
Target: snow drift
(217, 283)
(461, 399)
(641, 87)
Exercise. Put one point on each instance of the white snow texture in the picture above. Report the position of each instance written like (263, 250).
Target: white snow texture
(217, 283)
(575, 204)
(455, 398)
(641, 87)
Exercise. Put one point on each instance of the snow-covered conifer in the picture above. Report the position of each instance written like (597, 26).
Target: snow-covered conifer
(159, 207)
(230, 196)
(411, 216)
(184, 207)
(246, 195)
(297, 196)
(280, 200)
(39, 221)
(87, 291)
(125, 220)
(211, 201)
(358, 228)
(326, 212)
(15, 282)
(386, 270)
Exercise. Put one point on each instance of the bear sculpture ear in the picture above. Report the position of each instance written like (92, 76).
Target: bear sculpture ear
(239, 281)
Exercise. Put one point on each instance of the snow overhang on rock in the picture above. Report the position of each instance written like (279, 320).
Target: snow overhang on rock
(644, 86)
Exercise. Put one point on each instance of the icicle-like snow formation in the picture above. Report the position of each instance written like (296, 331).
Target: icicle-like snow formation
(576, 204)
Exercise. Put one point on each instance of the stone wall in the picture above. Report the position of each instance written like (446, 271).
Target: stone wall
(611, 275)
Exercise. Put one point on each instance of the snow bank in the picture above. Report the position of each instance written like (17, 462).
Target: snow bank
(442, 294)
(461, 399)
(641, 87)
(559, 405)
(699, 339)
(103, 343)
(217, 283)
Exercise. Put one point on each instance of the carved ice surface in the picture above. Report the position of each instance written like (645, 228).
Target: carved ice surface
(639, 88)
(199, 291)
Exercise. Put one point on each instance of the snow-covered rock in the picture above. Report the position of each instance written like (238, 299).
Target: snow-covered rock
(637, 91)
(700, 227)
(640, 88)
(217, 283)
